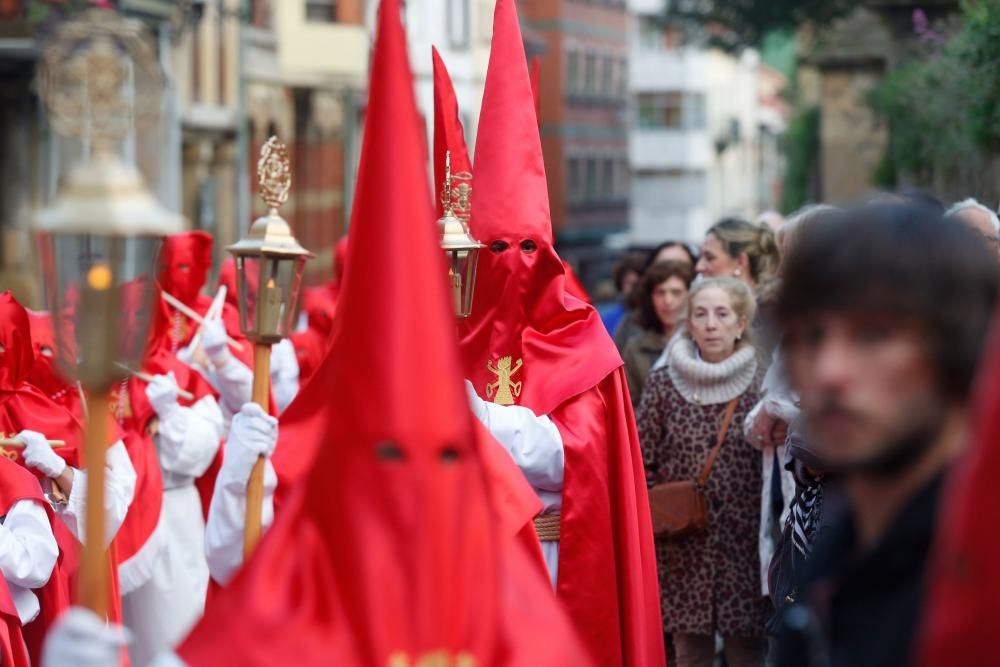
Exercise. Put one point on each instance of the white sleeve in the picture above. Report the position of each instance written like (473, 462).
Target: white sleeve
(534, 442)
(188, 440)
(284, 373)
(779, 400)
(119, 492)
(226, 519)
(234, 382)
(28, 549)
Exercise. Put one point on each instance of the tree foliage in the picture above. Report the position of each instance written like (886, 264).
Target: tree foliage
(740, 23)
(943, 104)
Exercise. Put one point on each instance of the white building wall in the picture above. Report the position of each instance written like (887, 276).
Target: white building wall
(461, 30)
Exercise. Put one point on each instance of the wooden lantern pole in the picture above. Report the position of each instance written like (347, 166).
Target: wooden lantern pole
(255, 486)
(93, 591)
(269, 240)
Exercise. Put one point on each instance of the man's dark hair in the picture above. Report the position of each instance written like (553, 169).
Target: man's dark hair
(903, 261)
(654, 276)
(630, 262)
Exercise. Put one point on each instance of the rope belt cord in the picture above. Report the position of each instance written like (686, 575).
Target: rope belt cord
(547, 527)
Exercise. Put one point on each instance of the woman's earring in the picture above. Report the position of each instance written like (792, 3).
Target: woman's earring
(737, 273)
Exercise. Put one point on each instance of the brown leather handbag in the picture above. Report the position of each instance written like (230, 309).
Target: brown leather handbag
(681, 508)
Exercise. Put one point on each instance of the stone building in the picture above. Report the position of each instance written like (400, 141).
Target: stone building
(839, 67)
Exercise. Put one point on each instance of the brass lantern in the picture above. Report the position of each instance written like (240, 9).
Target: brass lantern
(99, 238)
(461, 250)
(269, 261)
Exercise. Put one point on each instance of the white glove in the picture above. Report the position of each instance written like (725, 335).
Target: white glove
(162, 394)
(477, 404)
(80, 639)
(215, 343)
(253, 434)
(38, 454)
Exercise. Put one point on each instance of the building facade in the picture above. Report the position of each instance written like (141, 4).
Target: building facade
(582, 49)
(305, 75)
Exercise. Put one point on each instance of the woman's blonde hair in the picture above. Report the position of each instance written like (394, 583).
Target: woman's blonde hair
(757, 242)
(740, 298)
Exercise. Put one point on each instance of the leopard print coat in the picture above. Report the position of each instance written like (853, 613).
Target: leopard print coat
(709, 582)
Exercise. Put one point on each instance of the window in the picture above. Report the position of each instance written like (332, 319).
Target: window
(607, 78)
(457, 19)
(622, 78)
(607, 178)
(261, 14)
(572, 73)
(651, 37)
(575, 180)
(321, 11)
(590, 74)
(590, 186)
(671, 110)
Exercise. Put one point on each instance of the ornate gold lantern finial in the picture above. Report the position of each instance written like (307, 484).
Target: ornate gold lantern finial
(460, 248)
(269, 260)
(98, 77)
(274, 174)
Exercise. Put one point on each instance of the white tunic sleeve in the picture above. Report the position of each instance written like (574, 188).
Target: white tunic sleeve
(188, 440)
(119, 491)
(226, 519)
(234, 382)
(28, 552)
(534, 442)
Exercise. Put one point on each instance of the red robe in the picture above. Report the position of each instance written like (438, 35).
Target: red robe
(549, 352)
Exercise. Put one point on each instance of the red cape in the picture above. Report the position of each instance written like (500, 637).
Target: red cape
(12, 648)
(961, 614)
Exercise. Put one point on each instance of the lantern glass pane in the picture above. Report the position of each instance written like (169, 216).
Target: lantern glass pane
(462, 279)
(247, 279)
(99, 290)
(271, 285)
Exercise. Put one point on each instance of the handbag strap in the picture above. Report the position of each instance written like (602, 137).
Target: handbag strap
(714, 454)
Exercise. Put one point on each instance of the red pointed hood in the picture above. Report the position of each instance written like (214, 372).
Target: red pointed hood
(522, 309)
(185, 260)
(16, 355)
(44, 375)
(386, 554)
(23, 406)
(448, 132)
